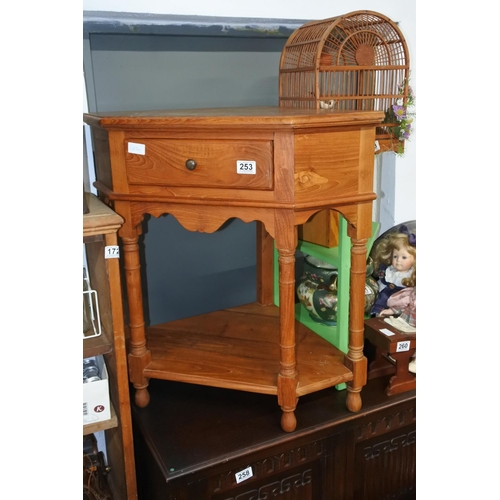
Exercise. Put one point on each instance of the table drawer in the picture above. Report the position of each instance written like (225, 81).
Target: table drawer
(217, 163)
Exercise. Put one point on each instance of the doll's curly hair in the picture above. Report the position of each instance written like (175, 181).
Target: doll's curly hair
(382, 253)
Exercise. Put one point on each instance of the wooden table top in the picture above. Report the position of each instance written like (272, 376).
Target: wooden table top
(273, 116)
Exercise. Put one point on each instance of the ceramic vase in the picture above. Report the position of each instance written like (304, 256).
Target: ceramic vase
(318, 291)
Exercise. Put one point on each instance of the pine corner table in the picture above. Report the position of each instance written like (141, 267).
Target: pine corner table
(277, 166)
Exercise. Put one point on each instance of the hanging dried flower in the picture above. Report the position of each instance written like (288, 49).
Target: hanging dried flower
(400, 115)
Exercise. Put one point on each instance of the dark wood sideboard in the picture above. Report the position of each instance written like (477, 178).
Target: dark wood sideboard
(191, 442)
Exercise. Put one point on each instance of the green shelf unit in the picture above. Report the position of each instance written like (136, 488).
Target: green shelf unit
(340, 257)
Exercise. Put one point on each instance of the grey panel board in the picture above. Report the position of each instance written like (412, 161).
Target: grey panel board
(157, 24)
(187, 273)
(162, 72)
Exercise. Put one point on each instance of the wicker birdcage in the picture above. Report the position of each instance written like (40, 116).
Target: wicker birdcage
(358, 61)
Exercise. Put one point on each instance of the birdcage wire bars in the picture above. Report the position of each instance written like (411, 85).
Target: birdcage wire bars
(358, 61)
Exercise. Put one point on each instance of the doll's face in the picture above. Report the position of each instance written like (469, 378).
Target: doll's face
(402, 260)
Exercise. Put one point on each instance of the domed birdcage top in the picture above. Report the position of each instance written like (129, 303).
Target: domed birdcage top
(357, 61)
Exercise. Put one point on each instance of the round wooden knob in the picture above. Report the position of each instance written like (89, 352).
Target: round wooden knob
(190, 164)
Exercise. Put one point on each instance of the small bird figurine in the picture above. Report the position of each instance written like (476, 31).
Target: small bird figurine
(327, 104)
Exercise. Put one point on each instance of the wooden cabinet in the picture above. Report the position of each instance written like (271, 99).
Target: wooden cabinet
(100, 228)
(197, 443)
(272, 165)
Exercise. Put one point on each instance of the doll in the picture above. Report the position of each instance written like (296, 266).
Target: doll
(402, 310)
(395, 258)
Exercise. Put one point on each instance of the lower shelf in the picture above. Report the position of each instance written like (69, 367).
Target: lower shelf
(238, 348)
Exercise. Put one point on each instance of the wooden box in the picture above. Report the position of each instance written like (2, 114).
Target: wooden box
(321, 229)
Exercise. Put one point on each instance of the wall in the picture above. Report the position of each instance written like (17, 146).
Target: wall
(398, 175)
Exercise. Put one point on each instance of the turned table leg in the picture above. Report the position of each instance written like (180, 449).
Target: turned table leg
(355, 359)
(286, 243)
(139, 356)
